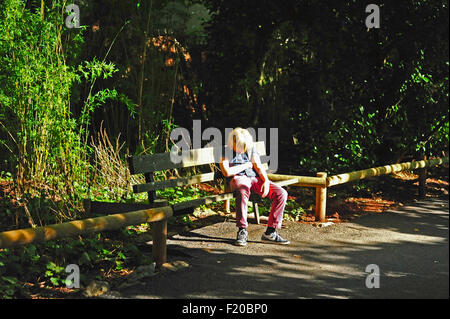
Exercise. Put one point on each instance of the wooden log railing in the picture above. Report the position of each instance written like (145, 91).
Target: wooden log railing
(382, 170)
(157, 216)
(322, 182)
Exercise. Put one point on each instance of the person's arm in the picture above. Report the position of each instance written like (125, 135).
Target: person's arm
(259, 168)
(228, 171)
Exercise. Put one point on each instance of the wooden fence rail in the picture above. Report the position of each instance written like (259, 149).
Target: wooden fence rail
(111, 222)
(78, 227)
(322, 182)
(382, 170)
(321, 191)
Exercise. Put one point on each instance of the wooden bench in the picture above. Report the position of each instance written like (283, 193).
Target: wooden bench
(205, 161)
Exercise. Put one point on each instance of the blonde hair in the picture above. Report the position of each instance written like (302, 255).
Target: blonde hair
(240, 140)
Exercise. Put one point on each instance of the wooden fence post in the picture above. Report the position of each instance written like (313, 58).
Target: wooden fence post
(159, 246)
(159, 235)
(227, 205)
(321, 199)
(422, 181)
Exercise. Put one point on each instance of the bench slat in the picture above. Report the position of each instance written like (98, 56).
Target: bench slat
(182, 181)
(140, 188)
(159, 162)
(261, 148)
(287, 182)
(201, 201)
(225, 196)
(99, 207)
(196, 157)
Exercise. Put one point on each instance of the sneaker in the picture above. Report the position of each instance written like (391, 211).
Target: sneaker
(241, 239)
(274, 238)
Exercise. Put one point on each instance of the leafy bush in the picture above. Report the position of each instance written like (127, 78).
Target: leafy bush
(97, 255)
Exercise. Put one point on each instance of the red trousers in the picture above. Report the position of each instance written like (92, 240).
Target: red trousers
(244, 185)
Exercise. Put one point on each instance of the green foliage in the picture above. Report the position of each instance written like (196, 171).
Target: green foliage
(10, 287)
(349, 97)
(95, 255)
(54, 273)
(153, 56)
(294, 211)
(35, 91)
(180, 194)
(48, 143)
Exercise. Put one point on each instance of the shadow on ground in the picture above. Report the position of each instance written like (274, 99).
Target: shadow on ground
(409, 246)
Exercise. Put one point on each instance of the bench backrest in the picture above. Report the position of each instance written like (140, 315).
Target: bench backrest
(148, 164)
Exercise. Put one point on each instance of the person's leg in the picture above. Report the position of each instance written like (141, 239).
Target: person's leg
(278, 195)
(241, 185)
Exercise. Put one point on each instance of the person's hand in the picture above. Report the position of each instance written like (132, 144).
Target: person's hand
(265, 187)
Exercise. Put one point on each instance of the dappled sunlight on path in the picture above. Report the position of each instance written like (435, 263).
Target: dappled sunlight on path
(410, 247)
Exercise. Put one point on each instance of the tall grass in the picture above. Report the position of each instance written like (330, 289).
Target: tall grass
(111, 179)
